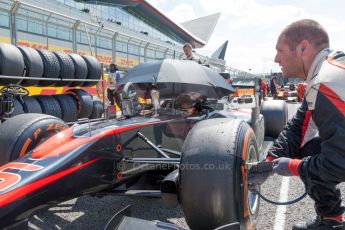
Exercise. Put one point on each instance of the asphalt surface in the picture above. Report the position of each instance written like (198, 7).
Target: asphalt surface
(93, 213)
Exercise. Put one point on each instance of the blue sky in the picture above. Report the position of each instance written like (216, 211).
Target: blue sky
(252, 26)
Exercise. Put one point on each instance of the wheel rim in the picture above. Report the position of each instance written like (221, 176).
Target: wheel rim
(253, 198)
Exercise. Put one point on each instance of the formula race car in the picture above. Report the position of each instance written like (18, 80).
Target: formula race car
(189, 135)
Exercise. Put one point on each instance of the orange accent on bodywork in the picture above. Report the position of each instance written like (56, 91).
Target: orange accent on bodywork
(19, 192)
(8, 179)
(52, 144)
(55, 127)
(25, 147)
(64, 141)
(37, 132)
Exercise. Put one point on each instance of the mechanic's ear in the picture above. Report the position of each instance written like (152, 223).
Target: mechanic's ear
(304, 45)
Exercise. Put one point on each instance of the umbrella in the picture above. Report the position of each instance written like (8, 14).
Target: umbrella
(178, 76)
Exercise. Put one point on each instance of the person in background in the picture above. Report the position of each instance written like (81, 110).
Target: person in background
(263, 88)
(311, 146)
(155, 99)
(186, 103)
(274, 85)
(188, 51)
(301, 90)
(114, 76)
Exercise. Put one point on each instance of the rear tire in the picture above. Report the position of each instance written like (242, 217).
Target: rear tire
(276, 116)
(212, 154)
(20, 134)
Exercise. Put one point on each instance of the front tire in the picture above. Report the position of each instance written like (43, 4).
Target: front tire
(20, 134)
(213, 181)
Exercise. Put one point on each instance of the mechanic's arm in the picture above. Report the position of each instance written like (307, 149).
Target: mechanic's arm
(288, 143)
(285, 147)
(329, 115)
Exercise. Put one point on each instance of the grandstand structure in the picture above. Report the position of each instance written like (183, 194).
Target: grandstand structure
(125, 32)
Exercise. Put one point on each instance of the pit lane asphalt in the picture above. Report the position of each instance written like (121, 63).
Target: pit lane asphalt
(93, 213)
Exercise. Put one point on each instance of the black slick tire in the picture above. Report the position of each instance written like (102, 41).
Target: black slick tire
(17, 108)
(21, 133)
(97, 110)
(275, 113)
(10, 57)
(94, 70)
(31, 105)
(80, 69)
(33, 65)
(213, 154)
(84, 102)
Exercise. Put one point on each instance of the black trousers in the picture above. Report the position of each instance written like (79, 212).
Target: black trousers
(114, 97)
(322, 189)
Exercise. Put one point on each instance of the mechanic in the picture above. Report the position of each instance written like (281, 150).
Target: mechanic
(188, 51)
(311, 145)
(113, 76)
(185, 102)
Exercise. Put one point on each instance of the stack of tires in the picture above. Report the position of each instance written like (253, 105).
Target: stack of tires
(47, 68)
(73, 105)
(38, 67)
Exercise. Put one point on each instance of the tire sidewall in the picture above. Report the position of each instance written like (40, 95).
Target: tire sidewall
(211, 199)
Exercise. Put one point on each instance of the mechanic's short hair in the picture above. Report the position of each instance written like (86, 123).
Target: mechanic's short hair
(306, 29)
(184, 101)
(187, 45)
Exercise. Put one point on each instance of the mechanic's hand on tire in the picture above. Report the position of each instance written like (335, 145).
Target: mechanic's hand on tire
(286, 166)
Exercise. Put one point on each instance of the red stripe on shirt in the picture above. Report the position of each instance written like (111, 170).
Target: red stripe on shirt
(305, 125)
(333, 98)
